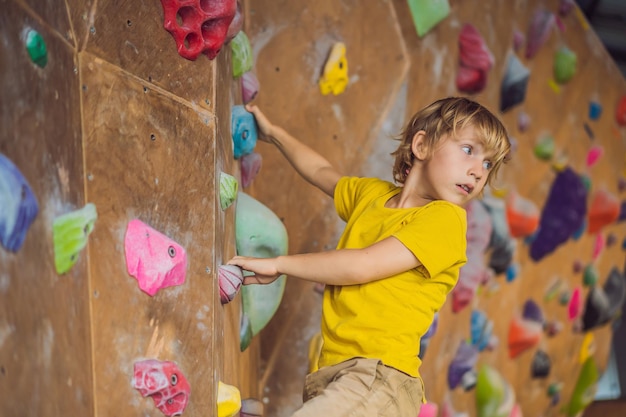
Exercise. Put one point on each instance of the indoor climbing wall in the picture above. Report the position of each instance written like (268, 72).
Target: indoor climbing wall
(118, 192)
(528, 328)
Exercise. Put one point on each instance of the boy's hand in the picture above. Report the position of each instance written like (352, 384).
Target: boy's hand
(265, 126)
(264, 269)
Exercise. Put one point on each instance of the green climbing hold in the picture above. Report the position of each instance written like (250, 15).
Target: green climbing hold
(70, 232)
(36, 47)
(590, 276)
(242, 54)
(585, 389)
(259, 233)
(544, 149)
(228, 190)
(564, 65)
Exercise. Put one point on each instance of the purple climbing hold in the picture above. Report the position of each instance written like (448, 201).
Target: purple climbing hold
(563, 213)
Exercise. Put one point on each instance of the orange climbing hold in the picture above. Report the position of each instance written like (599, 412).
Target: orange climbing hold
(603, 210)
(523, 335)
(522, 215)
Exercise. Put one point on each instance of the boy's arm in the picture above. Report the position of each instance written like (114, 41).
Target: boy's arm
(338, 267)
(312, 166)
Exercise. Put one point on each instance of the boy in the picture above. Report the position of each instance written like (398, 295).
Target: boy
(398, 258)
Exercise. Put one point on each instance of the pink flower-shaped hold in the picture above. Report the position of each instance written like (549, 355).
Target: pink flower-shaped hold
(229, 278)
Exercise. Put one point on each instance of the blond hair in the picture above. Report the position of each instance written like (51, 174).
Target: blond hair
(446, 116)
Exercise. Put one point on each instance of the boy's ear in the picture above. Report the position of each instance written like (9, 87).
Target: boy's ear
(418, 145)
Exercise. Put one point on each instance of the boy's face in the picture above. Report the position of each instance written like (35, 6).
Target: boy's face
(458, 169)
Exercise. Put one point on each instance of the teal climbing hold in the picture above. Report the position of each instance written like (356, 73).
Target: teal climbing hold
(36, 47)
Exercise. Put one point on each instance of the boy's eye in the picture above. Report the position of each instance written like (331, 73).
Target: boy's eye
(487, 165)
(467, 149)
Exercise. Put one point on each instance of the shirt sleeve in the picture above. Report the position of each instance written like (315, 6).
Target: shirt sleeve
(437, 237)
(351, 191)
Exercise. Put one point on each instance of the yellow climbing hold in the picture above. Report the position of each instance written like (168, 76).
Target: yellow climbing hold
(335, 75)
(228, 400)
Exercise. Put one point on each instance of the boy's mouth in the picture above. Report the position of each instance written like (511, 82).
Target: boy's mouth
(467, 188)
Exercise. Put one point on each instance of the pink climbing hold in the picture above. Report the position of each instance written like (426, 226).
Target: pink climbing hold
(152, 258)
(229, 278)
(165, 383)
(573, 309)
(249, 86)
(475, 61)
(538, 31)
(429, 410)
(598, 246)
(250, 167)
(594, 155)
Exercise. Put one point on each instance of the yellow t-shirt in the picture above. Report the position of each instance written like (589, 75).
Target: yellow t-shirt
(385, 319)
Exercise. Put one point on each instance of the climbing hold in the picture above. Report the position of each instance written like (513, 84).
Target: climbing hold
(523, 119)
(198, 27)
(251, 407)
(593, 155)
(242, 56)
(229, 279)
(228, 400)
(541, 364)
(553, 289)
(315, 349)
(249, 86)
(620, 111)
(425, 340)
(518, 39)
(512, 272)
(585, 389)
(36, 47)
(544, 149)
(566, 6)
(165, 383)
(590, 276)
(481, 330)
(564, 65)
(474, 272)
(475, 61)
(522, 215)
(335, 73)
(595, 110)
(250, 167)
(538, 32)
(573, 308)
(587, 348)
(259, 233)
(532, 312)
(228, 190)
(427, 14)
(523, 335)
(152, 258)
(243, 130)
(513, 87)
(463, 362)
(564, 212)
(502, 246)
(70, 232)
(604, 209)
(554, 392)
(19, 205)
(494, 395)
(552, 328)
(235, 25)
(428, 409)
(604, 304)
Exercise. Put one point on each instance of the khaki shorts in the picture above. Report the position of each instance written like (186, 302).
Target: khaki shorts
(361, 387)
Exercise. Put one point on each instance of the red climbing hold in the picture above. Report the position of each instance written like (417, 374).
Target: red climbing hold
(198, 26)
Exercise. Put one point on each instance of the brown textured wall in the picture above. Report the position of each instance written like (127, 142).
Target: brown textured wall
(118, 119)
